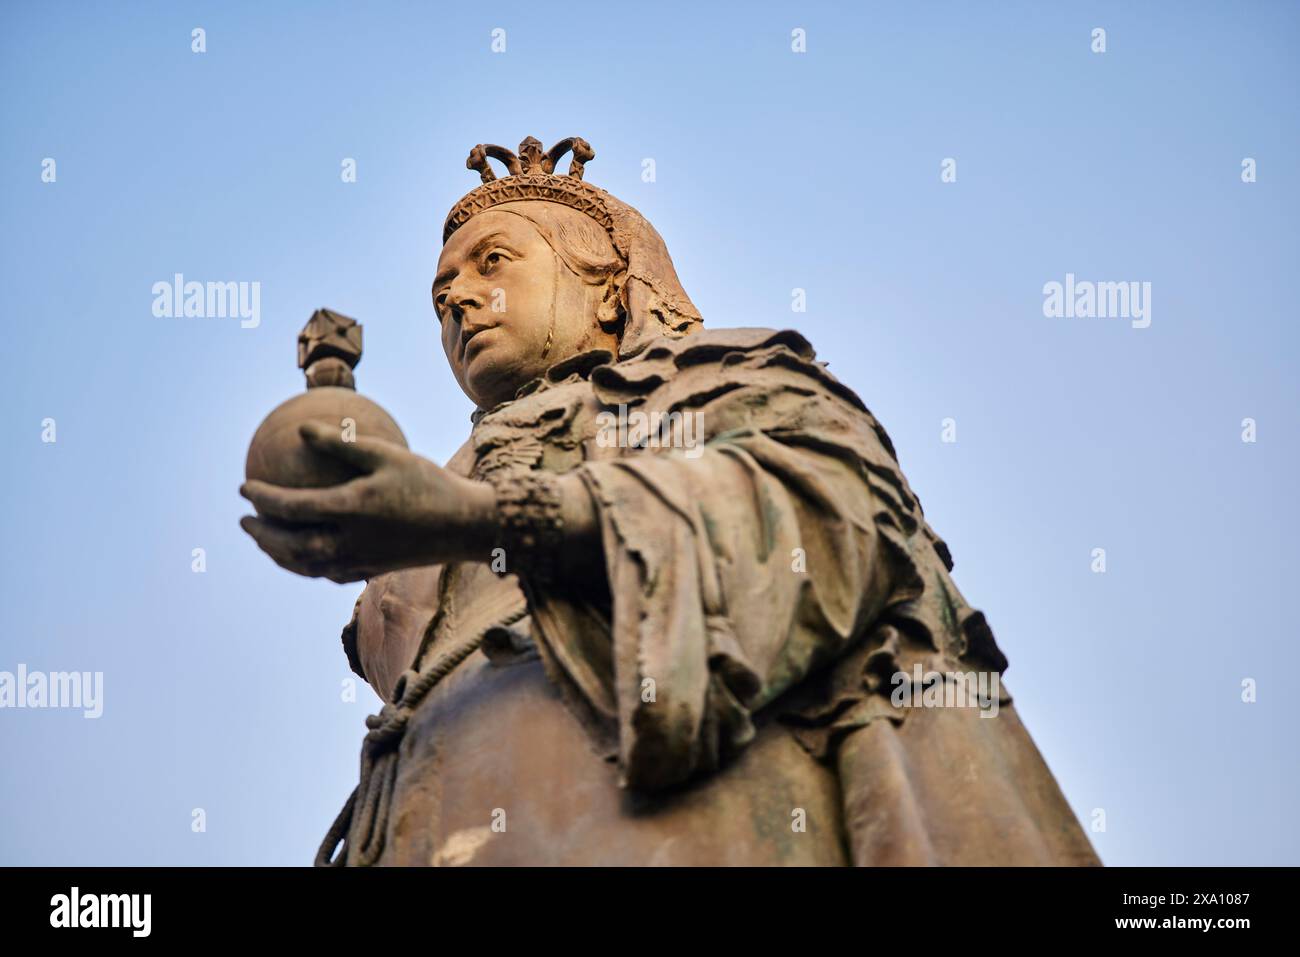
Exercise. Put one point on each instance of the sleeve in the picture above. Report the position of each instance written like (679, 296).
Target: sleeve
(735, 569)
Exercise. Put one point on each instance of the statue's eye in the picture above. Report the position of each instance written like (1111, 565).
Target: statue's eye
(491, 260)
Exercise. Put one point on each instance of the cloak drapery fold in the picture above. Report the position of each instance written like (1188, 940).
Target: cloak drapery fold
(769, 576)
(787, 565)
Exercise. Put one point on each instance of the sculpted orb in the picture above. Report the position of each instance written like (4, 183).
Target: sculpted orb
(329, 347)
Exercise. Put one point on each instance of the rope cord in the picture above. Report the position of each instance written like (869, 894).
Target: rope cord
(363, 821)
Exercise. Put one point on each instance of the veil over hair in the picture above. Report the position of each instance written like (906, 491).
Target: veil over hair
(650, 295)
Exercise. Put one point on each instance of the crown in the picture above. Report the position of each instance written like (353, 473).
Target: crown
(531, 175)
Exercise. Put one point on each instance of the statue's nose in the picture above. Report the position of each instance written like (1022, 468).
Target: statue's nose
(462, 297)
(455, 307)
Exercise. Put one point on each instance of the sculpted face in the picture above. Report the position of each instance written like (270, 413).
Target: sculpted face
(510, 307)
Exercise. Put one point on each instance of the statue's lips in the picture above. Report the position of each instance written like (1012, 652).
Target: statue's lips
(475, 343)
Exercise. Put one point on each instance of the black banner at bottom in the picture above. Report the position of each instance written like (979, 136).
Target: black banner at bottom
(307, 906)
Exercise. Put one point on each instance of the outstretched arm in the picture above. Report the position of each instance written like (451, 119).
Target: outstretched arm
(403, 512)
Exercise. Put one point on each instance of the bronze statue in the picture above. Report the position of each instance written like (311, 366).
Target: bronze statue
(660, 607)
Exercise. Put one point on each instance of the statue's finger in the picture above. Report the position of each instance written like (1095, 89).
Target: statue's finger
(270, 540)
(308, 551)
(362, 451)
(299, 504)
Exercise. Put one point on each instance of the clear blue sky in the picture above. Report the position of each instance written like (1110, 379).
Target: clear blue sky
(774, 170)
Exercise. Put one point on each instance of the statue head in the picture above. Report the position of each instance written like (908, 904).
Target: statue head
(538, 267)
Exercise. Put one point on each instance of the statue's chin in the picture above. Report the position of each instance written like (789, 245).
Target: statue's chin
(492, 387)
(493, 377)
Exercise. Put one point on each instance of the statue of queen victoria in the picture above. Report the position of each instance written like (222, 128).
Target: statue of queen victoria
(674, 643)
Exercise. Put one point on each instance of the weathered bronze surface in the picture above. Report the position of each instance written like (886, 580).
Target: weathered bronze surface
(657, 607)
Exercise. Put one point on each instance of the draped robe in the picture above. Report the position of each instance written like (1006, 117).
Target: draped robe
(724, 692)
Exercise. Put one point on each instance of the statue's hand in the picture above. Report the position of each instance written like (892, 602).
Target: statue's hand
(403, 512)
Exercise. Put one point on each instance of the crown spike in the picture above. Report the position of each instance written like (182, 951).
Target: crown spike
(531, 155)
(478, 160)
(582, 154)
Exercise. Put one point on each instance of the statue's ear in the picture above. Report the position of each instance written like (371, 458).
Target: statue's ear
(611, 312)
